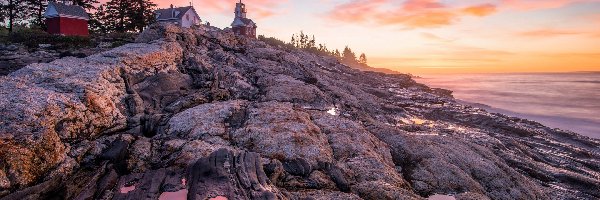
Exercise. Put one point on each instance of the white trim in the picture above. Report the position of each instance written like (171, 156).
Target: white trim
(68, 16)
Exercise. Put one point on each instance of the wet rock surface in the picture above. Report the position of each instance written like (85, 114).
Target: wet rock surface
(203, 113)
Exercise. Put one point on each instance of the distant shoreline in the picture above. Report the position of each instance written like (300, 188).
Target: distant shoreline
(556, 100)
(578, 125)
(422, 75)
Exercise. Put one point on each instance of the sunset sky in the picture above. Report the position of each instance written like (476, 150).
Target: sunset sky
(430, 36)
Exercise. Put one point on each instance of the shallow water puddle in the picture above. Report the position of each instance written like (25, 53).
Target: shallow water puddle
(332, 111)
(125, 190)
(418, 121)
(441, 197)
(414, 120)
(179, 195)
(423, 134)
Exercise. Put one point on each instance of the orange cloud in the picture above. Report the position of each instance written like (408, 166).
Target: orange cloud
(480, 10)
(421, 20)
(411, 13)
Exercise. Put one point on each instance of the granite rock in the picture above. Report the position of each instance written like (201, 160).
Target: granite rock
(211, 114)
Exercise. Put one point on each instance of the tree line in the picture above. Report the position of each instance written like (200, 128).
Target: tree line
(112, 16)
(308, 43)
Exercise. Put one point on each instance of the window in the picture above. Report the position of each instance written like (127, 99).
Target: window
(187, 17)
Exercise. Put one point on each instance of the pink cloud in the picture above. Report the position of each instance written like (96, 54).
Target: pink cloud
(539, 4)
(411, 13)
(416, 5)
(256, 8)
(356, 10)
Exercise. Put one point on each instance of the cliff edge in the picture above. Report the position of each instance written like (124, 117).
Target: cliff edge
(203, 113)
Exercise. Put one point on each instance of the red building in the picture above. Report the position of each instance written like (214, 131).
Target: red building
(66, 19)
(242, 25)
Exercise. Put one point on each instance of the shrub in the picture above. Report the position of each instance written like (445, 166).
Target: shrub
(3, 31)
(116, 39)
(3, 35)
(32, 38)
(113, 37)
(118, 44)
(275, 42)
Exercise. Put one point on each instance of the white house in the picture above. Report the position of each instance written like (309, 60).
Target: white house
(182, 16)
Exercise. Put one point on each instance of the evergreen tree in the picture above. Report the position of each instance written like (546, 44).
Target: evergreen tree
(311, 44)
(98, 22)
(86, 4)
(2, 12)
(337, 53)
(35, 11)
(303, 40)
(125, 15)
(362, 59)
(348, 55)
(117, 15)
(142, 14)
(13, 12)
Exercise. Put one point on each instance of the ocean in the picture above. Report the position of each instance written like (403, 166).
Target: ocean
(569, 101)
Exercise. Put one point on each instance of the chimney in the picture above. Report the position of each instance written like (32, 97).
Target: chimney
(171, 6)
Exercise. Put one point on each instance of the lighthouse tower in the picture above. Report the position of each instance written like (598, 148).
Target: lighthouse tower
(240, 10)
(241, 25)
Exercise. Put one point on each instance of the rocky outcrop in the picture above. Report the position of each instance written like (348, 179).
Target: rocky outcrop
(16, 56)
(201, 113)
(226, 174)
(278, 131)
(44, 106)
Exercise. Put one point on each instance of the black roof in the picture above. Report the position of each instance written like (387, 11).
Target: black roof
(73, 10)
(246, 22)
